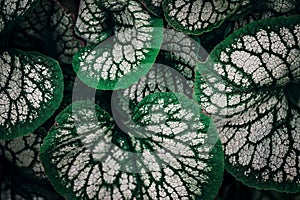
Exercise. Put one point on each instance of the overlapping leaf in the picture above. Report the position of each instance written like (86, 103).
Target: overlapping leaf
(125, 57)
(172, 72)
(23, 152)
(199, 16)
(12, 9)
(92, 22)
(255, 10)
(252, 81)
(178, 156)
(154, 6)
(31, 89)
(48, 29)
(22, 175)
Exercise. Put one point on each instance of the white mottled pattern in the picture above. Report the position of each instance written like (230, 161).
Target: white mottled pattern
(198, 16)
(258, 123)
(25, 88)
(11, 10)
(124, 53)
(102, 169)
(24, 152)
(90, 23)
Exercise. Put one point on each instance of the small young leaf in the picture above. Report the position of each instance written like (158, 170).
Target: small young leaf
(88, 157)
(252, 81)
(31, 88)
(199, 16)
(48, 29)
(120, 61)
(92, 22)
(12, 9)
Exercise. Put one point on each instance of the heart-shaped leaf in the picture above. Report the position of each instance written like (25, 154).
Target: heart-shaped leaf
(199, 16)
(178, 156)
(121, 60)
(252, 82)
(92, 22)
(31, 88)
(12, 9)
(48, 28)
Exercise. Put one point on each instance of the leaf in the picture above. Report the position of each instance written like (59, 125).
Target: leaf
(257, 10)
(199, 16)
(88, 157)
(48, 29)
(92, 22)
(122, 59)
(23, 152)
(31, 88)
(22, 175)
(210, 39)
(251, 84)
(11, 10)
(154, 6)
(173, 71)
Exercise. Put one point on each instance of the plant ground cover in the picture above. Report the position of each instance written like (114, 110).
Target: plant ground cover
(150, 99)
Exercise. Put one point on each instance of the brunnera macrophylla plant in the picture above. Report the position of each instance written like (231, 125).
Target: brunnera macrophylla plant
(177, 157)
(157, 135)
(127, 56)
(251, 79)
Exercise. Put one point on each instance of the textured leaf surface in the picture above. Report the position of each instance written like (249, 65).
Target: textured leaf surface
(198, 16)
(173, 71)
(127, 56)
(22, 175)
(92, 22)
(256, 10)
(88, 157)
(24, 152)
(31, 89)
(11, 10)
(48, 29)
(252, 80)
(210, 39)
